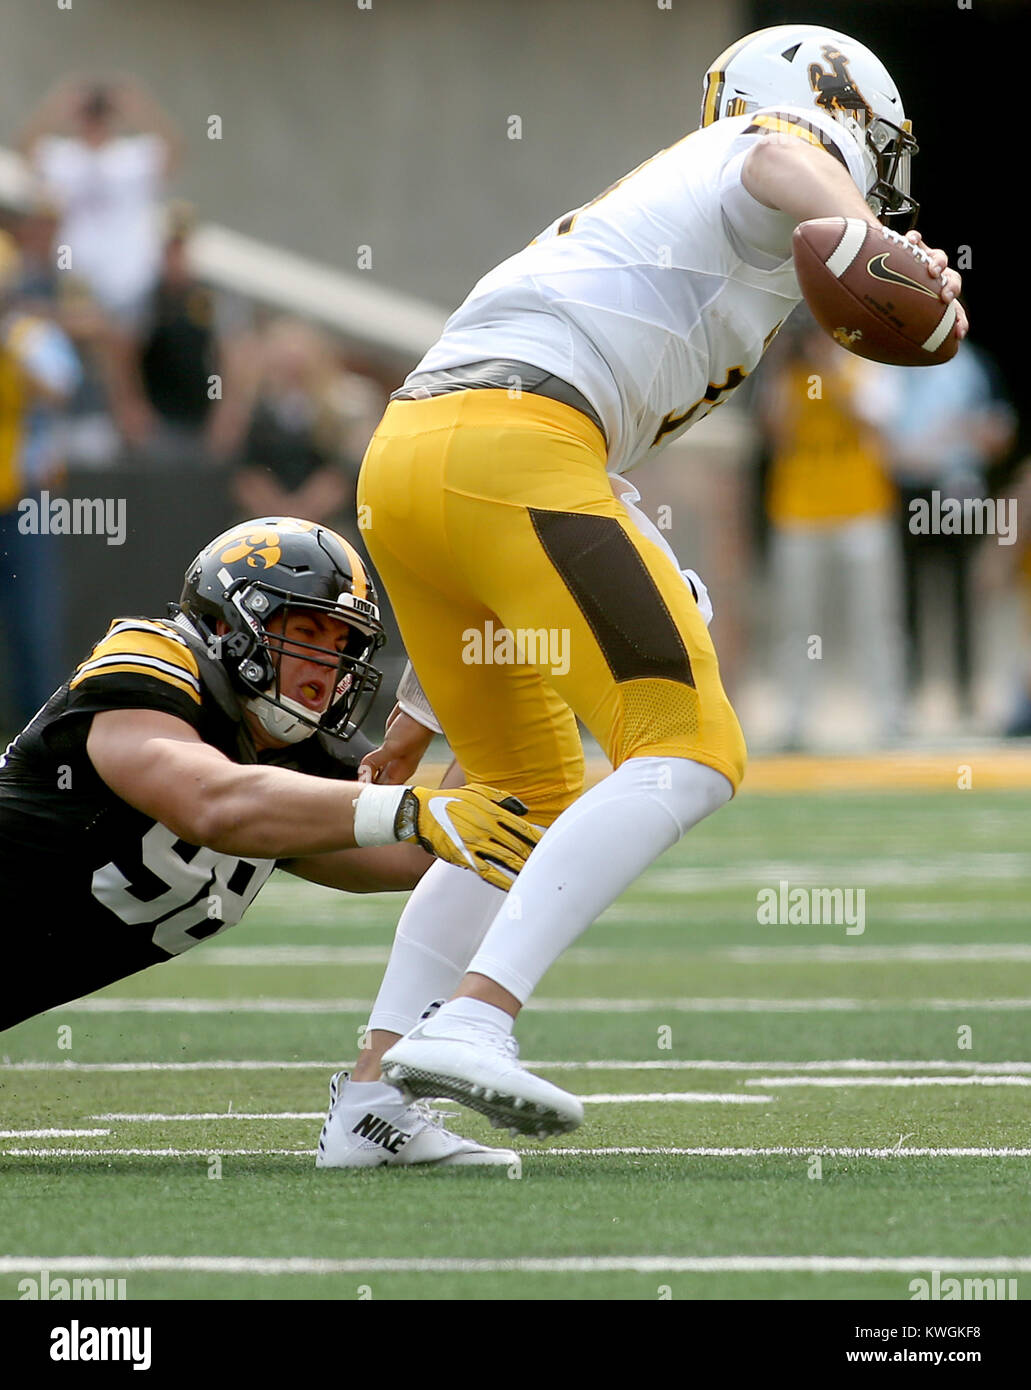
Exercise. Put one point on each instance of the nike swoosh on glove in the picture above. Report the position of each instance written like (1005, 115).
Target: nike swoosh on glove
(475, 827)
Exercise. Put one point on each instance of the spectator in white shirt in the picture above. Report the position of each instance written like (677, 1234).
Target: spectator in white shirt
(103, 153)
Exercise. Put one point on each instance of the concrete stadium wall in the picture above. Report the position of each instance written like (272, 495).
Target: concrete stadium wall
(389, 126)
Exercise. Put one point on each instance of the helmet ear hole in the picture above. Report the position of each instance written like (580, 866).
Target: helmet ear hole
(252, 672)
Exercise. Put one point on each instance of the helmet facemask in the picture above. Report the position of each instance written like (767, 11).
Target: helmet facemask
(891, 147)
(256, 653)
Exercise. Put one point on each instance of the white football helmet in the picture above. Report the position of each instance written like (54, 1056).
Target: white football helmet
(807, 65)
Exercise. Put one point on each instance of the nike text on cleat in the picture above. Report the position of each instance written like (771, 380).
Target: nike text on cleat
(479, 1066)
(370, 1126)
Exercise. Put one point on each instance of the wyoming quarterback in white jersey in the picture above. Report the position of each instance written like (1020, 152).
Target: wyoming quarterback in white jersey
(657, 298)
(487, 496)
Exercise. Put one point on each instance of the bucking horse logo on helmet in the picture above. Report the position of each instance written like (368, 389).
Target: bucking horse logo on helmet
(836, 89)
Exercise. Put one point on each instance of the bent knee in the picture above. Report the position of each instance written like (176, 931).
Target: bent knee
(661, 719)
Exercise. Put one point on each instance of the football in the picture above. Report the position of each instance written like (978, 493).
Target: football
(874, 292)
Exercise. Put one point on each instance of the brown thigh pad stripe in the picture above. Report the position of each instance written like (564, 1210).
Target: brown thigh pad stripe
(607, 577)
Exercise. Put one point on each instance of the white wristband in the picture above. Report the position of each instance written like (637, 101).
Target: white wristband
(375, 811)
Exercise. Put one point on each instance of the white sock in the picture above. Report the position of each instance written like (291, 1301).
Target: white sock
(368, 1086)
(441, 926)
(467, 1010)
(588, 857)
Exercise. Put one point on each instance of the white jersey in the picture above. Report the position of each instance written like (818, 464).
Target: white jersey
(658, 297)
(108, 196)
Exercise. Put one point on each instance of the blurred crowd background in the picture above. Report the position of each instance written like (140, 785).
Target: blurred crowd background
(125, 374)
(126, 371)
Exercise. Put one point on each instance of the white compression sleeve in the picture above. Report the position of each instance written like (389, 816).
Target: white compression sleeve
(411, 698)
(588, 857)
(441, 926)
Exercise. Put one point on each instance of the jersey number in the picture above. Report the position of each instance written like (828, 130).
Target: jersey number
(185, 893)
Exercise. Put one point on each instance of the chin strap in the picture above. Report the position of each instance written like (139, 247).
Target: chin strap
(281, 721)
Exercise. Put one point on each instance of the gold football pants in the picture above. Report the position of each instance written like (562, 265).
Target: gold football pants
(526, 596)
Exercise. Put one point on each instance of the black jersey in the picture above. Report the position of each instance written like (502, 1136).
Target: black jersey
(95, 890)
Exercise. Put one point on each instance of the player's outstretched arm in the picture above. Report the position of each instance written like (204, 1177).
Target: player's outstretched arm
(805, 182)
(802, 180)
(386, 869)
(160, 765)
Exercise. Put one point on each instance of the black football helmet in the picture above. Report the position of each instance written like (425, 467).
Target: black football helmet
(280, 565)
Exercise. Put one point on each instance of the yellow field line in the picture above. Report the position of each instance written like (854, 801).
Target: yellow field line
(957, 769)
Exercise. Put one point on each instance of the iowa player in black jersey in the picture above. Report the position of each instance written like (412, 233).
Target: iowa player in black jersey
(146, 803)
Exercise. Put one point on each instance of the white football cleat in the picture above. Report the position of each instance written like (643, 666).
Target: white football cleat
(478, 1065)
(369, 1126)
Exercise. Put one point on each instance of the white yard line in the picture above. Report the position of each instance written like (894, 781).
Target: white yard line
(716, 1004)
(847, 1064)
(661, 914)
(948, 867)
(578, 1264)
(836, 1081)
(674, 1097)
(1005, 953)
(795, 1151)
(211, 1152)
(287, 955)
(1008, 954)
(615, 1098)
(153, 1117)
(54, 1133)
(790, 1151)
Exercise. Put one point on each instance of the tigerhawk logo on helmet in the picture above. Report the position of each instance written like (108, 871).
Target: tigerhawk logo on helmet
(807, 66)
(301, 567)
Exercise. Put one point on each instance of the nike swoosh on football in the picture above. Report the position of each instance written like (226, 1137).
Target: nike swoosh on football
(894, 277)
(445, 822)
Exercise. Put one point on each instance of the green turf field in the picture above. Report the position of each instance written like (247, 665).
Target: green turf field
(776, 1111)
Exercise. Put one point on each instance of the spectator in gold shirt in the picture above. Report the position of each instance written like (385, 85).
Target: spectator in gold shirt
(831, 506)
